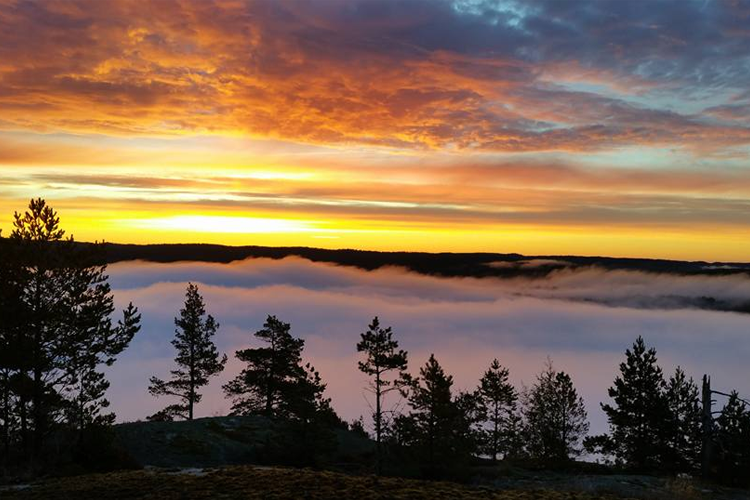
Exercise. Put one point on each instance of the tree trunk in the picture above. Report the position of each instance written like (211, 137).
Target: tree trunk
(269, 379)
(378, 425)
(191, 395)
(495, 435)
(81, 415)
(37, 410)
(708, 427)
(6, 415)
(24, 423)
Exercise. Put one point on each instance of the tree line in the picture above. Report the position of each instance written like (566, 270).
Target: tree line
(58, 331)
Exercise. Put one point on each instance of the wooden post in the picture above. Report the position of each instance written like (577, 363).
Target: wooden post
(708, 429)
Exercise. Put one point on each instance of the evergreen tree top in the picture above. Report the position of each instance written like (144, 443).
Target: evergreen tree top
(39, 223)
(495, 384)
(433, 386)
(381, 350)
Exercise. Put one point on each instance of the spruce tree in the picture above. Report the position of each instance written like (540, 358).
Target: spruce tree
(732, 437)
(437, 426)
(307, 429)
(639, 415)
(498, 399)
(470, 434)
(382, 356)
(514, 438)
(197, 359)
(272, 373)
(684, 424)
(555, 417)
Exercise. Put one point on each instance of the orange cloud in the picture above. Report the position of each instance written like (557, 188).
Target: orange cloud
(277, 70)
(382, 125)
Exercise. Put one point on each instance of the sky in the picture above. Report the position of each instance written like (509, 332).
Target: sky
(582, 318)
(615, 128)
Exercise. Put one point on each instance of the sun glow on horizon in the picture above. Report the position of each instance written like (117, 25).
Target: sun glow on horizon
(222, 224)
(355, 128)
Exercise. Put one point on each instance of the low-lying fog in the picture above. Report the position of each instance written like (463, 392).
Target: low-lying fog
(584, 319)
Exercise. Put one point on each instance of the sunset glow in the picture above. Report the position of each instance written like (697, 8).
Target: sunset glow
(601, 128)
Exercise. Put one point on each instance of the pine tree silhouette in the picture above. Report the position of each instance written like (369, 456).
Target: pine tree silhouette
(438, 426)
(197, 359)
(272, 372)
(683, 439)
(382, 356)
(555, 417)
(639, 416)
(56, 332)
(733, 441)
(498, 399)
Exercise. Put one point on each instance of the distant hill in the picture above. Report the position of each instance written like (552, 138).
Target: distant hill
(438, 264)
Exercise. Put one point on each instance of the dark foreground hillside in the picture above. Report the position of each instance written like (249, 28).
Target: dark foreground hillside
(217, 441)
(252, 482)
(219, 456)
(237, 457)
(247, 482)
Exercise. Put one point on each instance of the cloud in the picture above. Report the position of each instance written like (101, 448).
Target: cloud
(415, 75)
(466, 322)
(536, 127)
(501, 191)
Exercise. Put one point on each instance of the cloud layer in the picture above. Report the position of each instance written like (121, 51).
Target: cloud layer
(499, 76)
(584, 320)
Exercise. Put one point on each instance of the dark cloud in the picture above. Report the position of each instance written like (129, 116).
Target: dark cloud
(696, 43)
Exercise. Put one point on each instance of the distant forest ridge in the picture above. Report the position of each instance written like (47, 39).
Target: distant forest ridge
(478, 265)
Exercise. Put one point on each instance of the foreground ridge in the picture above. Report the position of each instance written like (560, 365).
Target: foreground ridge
(247, 482)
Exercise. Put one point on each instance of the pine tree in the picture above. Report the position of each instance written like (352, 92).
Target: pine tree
(382, 356)
(637, 418)
(100, 347)
(60, 304)
(684, 425)
(272, 372)
(44, 263)
(498, 399)
(8, 351)
(276, 384)
(555, 417)
(197, 359)
(14, 354)
(7, 416)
